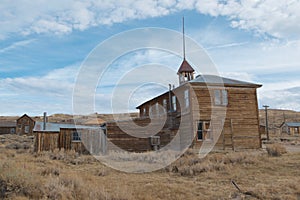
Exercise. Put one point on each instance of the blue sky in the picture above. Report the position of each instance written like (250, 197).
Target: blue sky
(43, 44)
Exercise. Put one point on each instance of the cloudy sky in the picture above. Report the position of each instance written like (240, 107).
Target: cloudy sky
(43, 45)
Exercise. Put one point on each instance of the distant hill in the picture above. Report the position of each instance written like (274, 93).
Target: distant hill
(276, 117)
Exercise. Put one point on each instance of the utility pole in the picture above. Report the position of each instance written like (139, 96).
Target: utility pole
(267, 127)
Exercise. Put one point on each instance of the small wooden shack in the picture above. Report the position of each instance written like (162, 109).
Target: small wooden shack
(7, 127)
(82, 139)
(25, 125)
(291, 128)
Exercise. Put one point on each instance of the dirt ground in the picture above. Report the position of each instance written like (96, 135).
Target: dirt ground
(67, 175)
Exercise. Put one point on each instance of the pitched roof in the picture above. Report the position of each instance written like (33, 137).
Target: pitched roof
(218, 80)
(25, 115)
(185, 67)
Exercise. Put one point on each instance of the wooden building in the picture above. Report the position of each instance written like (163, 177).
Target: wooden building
(291, 128)
(82, 139)
(210, 102)
(198, 109)
(7, 127)
(25, 125)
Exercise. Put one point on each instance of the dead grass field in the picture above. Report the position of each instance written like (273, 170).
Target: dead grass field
(66, 175)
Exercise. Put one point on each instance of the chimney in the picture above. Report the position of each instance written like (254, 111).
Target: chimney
(45, 121)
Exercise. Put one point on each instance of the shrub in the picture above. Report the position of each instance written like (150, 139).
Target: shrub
(276, 150)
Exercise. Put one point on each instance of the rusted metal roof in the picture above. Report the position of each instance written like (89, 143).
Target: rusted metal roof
(55, 127)
(185, 67)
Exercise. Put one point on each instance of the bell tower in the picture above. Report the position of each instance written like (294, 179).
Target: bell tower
(185, 71)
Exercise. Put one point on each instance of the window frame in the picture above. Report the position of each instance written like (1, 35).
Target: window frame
(220, 97)
(165, 105)
(187, 98)
(174, 103)
(76, 136)
(206, 133)
(26, 129)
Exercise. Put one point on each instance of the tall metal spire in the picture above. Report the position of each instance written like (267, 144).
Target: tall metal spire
(183, 38)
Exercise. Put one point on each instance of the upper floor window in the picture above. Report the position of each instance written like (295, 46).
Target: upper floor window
(156, 108)
(165, 104)
(174, 103)
(220, 97)
(186, 98)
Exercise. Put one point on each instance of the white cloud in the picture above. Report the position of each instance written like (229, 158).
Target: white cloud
(16, 45)
(281, 98)
(277, 18)
(51, 92)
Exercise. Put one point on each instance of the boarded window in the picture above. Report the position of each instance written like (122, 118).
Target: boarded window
(220, 97)
(174, 103)
(76, 136)
(203, 131)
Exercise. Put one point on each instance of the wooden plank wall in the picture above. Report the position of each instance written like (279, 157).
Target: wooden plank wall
(46, 141)
(242, 110)
(7, 130)
(127, 142)
(91, 141)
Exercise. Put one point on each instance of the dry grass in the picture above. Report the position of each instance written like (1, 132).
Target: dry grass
(276, 149)
(67, 175)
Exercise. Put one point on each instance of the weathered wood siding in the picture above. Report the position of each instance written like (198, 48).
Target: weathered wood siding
(92, 141)
(239, 117)
(7, 130)
(241, 123)
(25, 125)
(121, 139)
(46, 141)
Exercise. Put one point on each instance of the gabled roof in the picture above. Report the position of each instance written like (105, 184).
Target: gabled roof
(218, 80)
(25, 115)
(55, 127)
(185, 67)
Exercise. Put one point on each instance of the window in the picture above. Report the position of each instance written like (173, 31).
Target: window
(165, 104)
(174, 103)
(203, 131)
(150, 110)
(144, 111)
(155, 140)
(156, 108)
(186, 98)
(12, 131)
(26, 129)
(220, 97)
(76, 136)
